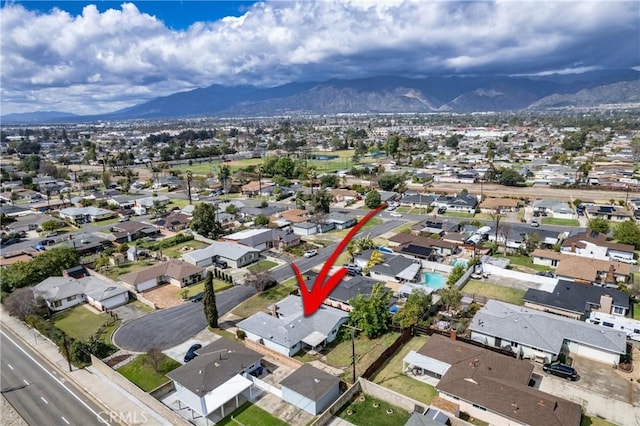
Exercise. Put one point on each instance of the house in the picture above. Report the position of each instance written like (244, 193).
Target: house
(121, 202)
(10, 258)
(431, 417)
(64, 292)
(126, 232)
(343, 195)
(595, 245)
(304, 228)
(610, 213)
(174, 272)
(148, 202)
(543, 336)
(557, 208)
(440, 247)
(236, 255)
(502, 205)
(253, 212)
(417, 200)
(429, 227)
(341, 220)
(516, 236)
(393, 267)
(576, 301)
(80, 215)
(216, 376)
(292, 215)
(489, 386)
(256, 188)
(465, 203)
(257, 238)
(349, 289)
(85, 243)
(287, 330)
(593, 271)
(31, 222)
(175, 221)
(310, 389)
(546, 257)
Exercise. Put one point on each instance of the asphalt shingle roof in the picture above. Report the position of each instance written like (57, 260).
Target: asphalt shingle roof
(310, 382)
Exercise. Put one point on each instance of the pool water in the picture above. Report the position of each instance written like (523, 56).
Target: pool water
(461, 262)
(433, 280)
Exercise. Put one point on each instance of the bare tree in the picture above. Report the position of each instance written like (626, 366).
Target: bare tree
(260, 280)
(22, 302)
(154, 358)
(505, 231)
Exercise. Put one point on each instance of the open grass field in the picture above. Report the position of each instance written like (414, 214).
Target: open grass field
(392, 377)
(140, 372)
(260, 302)
(492, 291)
(249, 414)
(80, 323)
(369, 411)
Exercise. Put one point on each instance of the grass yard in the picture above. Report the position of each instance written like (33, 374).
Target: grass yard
(142, 306)
(391, 376)
(140, 372)
(492, 291)
(263, 265)
(636, 311)
(249, 415)
(177, 251)
(484, 216)
(114, 272)
(524, 262)
(80, 323)
(560, 222)
(459, 214)
(178, 202)
(373, 222)
(402, 229)
(403, 209)
(218, 285)
(260, 302)
(594, 421)
(369, 411)
(106, 222)
(367, 350)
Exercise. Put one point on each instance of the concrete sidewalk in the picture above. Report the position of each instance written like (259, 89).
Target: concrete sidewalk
(119, 405)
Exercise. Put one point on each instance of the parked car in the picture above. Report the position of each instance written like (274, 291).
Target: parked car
(10, 241)
(197, 297)
(534, 224)
(353, 269)
(191, 353)
(310, 253)
(442, 210)
(561, 370)
(219, 263)
(123, 219)
(394, 214)
(52, 234)
(46, 242)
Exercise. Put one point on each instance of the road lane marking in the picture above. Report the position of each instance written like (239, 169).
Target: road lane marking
(45, 401)
(25, 382)
(10, 366)
(54, 378)
(65, 420)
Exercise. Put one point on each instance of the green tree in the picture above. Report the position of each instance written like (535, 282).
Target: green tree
(205, 221)
(329, 181)
(209, 301)
(392, 145)
(261, 220)
(389, 181)
(376, 258)
(106, 179)
(456, 273)
(48, 264)
(371, 314)
(599, 224)
(415, 307)
(51, 225)
(373, 199)
(231, 209)
(321, 201)
(628, 232)
(450, 297)
(511, 177)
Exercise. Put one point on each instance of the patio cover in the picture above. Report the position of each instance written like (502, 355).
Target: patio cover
(408, 288)
(426, 363)
(410, 272)
(314, 339)
(224, 393)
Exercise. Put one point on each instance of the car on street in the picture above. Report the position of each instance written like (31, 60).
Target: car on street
(534, 224)
(197, 297)
(310, 253)
(191, 353)
(123, 219)
(46, 242)
(9, 242)
(561, 370)
(394, 214)
(52, 234)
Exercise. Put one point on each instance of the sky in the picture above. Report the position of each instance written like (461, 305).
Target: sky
(94, 57)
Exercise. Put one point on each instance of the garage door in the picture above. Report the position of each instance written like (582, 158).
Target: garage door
(592, 353)
(147, 285)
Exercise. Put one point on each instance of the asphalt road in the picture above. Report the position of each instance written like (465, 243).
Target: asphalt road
(170, 327)
(37, 394)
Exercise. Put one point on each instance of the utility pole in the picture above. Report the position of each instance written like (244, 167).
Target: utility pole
(353, 348)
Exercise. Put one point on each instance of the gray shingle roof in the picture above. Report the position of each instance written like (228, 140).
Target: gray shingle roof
(574, 297)
(310, 382)
(542, 330)
(223, 249)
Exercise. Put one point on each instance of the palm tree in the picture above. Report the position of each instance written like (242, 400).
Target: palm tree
(312, 174)
(376, 258)
(189, 179)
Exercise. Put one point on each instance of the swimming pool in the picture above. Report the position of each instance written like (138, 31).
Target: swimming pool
(461, 262)
(433, 280)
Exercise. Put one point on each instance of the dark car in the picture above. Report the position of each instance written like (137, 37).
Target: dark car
(46, 242)
(197, 297)
(219, 263)
(191, 353)
(561, 370)
(9, 242)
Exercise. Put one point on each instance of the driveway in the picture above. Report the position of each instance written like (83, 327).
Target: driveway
(169, 327)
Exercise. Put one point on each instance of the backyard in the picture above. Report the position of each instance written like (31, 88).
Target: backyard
(523, 263)
(369, 411)
(492, 291)
(391, 376)
(249, 414)
(178, 250)
(114, 272)
(140, 371)
(260, 302)
(80, 323)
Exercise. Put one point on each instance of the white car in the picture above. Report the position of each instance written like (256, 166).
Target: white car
(394, 214)
(310, 253)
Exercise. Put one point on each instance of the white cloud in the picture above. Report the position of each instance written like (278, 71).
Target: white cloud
(101, 61)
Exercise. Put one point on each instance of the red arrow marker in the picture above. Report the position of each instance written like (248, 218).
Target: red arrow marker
(312, 299)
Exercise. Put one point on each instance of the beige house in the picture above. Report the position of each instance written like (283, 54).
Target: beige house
(175, 272)
(491, 205)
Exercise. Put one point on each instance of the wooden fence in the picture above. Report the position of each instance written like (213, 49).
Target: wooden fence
(404, 337)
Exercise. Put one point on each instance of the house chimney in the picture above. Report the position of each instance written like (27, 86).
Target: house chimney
(453, 335)
(606, 302)
(274, 310)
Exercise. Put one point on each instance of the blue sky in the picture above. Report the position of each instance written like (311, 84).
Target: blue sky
(93, 57)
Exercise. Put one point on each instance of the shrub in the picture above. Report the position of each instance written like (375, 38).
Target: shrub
(240, 334)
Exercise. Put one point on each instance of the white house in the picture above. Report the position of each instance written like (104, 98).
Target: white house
(393, 268)
(543, 336)
(79, 215)
(236, 255)
(287, 330)
(310, 389)
(64, 292)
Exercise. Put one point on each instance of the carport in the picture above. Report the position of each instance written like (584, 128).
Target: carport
(217, 398)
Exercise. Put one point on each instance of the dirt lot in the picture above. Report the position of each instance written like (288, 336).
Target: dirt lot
(164, 296)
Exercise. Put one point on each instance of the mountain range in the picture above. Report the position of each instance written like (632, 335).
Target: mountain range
(384, 94)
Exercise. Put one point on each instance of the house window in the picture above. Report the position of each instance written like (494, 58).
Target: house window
(71, 298)
(618, 310)
(514, 344)
(57, 303)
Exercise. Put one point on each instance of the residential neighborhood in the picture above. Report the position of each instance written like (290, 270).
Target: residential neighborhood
(499, 283)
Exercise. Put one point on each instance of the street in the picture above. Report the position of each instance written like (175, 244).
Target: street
(37, 394)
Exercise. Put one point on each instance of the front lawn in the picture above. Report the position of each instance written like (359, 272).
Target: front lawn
(367, 351)
(249, 414)
(560, 222)
(106, 222)
(218, 285)
(140, 372)
(594, 421)
(391, 376)
(459, 214)
(260, 302)
(636, 311)
(263, 265)
(368, 411)
(492, 291)
(80, 323)
(177, 251)
(373, 222)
